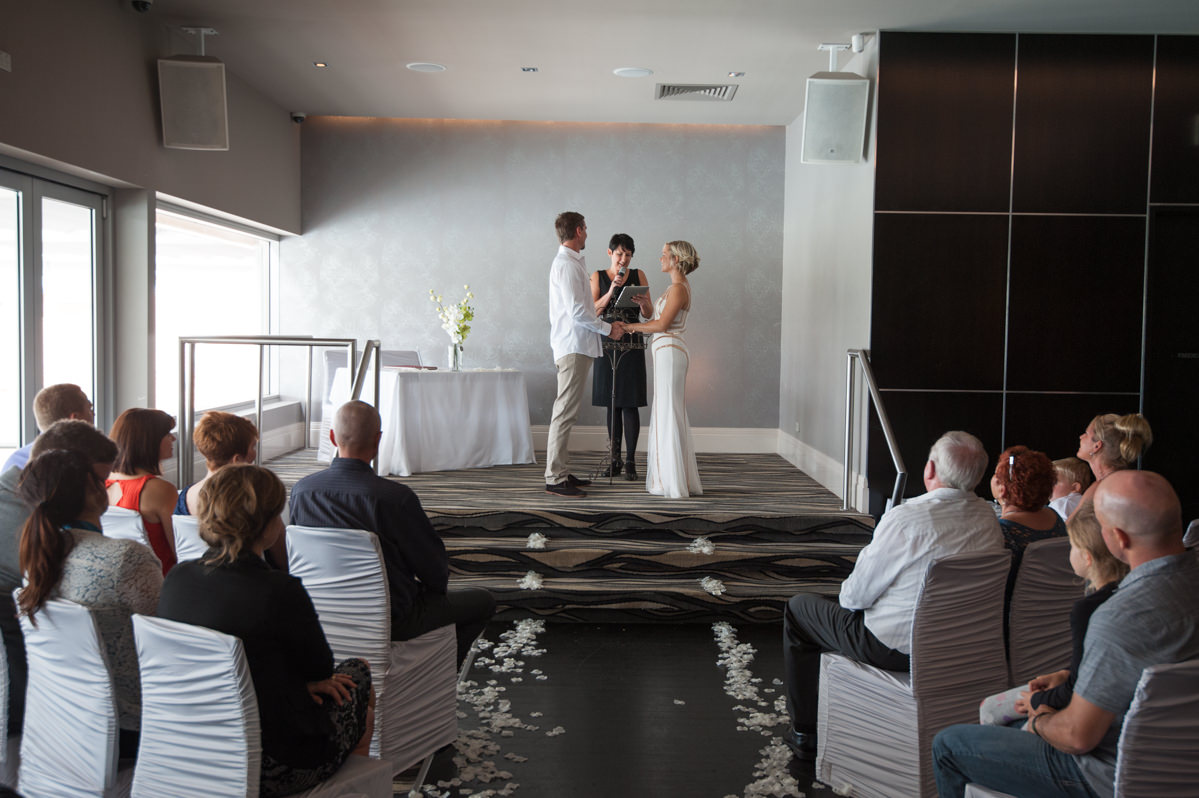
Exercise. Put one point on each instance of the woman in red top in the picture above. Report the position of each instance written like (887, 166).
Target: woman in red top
(143, 438)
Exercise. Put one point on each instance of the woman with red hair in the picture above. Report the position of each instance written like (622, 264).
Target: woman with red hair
(1022, 486)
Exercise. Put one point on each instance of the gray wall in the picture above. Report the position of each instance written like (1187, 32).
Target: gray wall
(828, 235)
(83, 97)
(392, 208)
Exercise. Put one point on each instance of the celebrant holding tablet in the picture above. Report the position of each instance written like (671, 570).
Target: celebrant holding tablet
(670, 469)
(624, 416)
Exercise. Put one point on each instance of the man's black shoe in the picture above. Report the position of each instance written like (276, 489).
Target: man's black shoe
(575, 482)
(802, 745)
(565, 489)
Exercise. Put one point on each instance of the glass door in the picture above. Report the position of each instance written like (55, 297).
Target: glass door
(51, 244)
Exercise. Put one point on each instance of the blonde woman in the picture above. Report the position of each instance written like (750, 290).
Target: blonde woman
(670, 469)
(1112, 443)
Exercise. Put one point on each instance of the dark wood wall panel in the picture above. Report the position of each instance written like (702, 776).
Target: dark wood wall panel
(1172, 346)
(919, 418)
(1074, 320)
(938, 300)
(1052, 423)
(1176, 121)
(944, 122)
(1082, 123)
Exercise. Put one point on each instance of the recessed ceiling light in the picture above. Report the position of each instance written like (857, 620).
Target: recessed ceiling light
(320, 64)
(632, 72)
(528, 69)
(422, 66)
(736, 74)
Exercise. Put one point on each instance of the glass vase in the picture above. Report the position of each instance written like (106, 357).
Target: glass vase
(455, 357)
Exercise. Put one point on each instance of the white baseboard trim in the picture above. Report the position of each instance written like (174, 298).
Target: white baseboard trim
(718, 440)
(826, 470)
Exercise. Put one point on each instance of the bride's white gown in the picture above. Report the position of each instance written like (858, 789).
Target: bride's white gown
(670, 470)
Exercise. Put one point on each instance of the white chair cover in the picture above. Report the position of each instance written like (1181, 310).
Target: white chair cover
(975, 791)
(200, 728)
(1191, 538)
(1039, 618)
(124, 524)
(415, 680)
(188, 543)
(69, 745)
(1158, 753)
(875, 727)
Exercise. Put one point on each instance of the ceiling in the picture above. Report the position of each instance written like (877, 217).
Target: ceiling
(272, 44)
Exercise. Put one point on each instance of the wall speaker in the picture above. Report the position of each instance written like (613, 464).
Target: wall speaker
(834, 121)
(191, 92)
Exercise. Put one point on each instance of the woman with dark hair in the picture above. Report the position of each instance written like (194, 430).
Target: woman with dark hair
(143, 438)
(312, 714)
(1022, 484)
(64, 554)
(624, 414)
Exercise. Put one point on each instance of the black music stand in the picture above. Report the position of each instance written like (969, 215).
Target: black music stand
(615, 352)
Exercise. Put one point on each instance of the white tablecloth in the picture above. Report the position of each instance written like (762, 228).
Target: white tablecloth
(446, 420)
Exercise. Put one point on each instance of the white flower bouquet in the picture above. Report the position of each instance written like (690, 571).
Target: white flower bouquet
(455, 319)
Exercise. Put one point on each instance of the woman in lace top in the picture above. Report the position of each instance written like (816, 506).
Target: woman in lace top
(64, 555)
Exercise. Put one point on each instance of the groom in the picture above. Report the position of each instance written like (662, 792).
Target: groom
(574, 331)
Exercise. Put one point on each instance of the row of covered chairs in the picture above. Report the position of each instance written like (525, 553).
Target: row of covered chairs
(199, 713)
(875, 728)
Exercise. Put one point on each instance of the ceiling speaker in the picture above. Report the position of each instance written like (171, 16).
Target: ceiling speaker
(834, 122)
(191, 92)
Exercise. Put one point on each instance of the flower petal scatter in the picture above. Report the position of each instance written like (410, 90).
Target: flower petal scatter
(757, 714)
(701, 545)
(530, 581)
(537, 541)
(712, 585)
(455, 319)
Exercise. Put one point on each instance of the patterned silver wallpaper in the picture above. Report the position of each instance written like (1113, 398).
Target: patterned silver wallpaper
(392, 208)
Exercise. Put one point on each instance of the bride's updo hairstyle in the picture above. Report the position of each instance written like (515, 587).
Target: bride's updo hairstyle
(237, 503)
(1124, 438)
(688, 258)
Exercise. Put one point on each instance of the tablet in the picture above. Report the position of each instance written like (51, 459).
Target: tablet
(625, 300)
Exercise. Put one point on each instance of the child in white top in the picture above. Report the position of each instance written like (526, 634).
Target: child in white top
(1073, 478)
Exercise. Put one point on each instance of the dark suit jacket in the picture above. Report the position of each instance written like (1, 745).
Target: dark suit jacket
(349, 495)
(284, 644)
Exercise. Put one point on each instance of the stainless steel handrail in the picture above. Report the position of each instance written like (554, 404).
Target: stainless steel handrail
(184, 474)
(862, 358)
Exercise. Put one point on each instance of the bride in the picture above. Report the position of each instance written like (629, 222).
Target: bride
(670, 470)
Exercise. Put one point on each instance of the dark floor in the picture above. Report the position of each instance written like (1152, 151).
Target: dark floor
(638, 710)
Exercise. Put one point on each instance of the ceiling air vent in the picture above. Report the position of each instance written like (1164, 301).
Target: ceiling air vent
(710, 93)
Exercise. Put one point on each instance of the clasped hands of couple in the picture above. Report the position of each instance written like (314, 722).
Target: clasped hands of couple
(619, 328)
(1039, 684)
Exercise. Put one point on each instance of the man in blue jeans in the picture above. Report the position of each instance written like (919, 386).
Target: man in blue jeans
(1151, 619)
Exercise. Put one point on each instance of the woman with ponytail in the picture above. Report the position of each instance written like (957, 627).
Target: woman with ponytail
(64, 554)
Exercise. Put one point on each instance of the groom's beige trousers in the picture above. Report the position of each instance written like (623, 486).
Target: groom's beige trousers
(572, 379)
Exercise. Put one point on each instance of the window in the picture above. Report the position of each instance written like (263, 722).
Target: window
(51, 270)
(210, 279)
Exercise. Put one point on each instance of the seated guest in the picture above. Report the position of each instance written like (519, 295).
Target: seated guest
(313, 715)
(77, 436)
(872, 623)
(144, 439)
(1072, 477)
(1093, 562)
(349, 495)
(53, 403)
(65, 555)
(220, 438)
(1113, 443)
(1022, 483)
(1153, 619)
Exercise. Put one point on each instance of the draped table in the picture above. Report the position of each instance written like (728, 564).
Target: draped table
(446, 420)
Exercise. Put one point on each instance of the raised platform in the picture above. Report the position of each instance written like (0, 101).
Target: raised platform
(762, 531)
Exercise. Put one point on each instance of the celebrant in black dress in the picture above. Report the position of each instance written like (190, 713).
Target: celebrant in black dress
(630, 371)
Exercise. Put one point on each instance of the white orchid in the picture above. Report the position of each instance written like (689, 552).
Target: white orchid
(455, 319)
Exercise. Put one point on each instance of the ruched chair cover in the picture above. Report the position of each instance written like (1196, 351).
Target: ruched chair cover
(1039, 639)
(200, 728)
(874, 727)
(1156, 755)
(124, 524)
(416, 693)
(188, 543)
(69, 742)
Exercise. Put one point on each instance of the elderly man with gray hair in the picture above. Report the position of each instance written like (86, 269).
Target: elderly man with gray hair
(872, 622)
